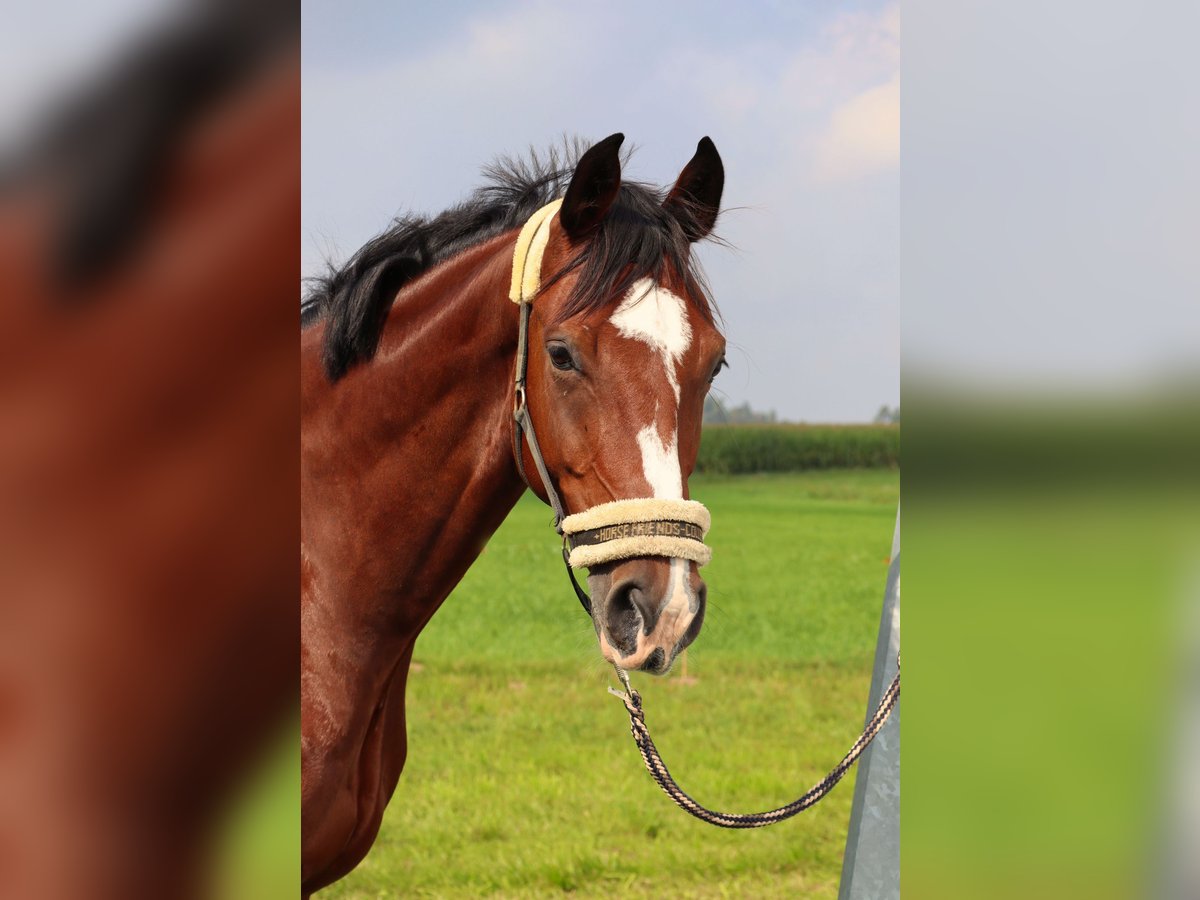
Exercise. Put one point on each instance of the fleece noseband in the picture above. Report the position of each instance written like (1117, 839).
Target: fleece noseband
(644, 527)
(621, 529)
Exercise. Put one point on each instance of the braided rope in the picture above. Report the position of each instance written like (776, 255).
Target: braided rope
(527, 257)
(658, 769)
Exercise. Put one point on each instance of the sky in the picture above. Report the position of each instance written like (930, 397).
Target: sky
(402, 107)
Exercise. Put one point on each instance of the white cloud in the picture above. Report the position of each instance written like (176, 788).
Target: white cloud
(863, 136)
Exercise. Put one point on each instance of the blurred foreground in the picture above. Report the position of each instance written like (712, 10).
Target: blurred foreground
(1053, 705)
(1051, 313)
(148, 509)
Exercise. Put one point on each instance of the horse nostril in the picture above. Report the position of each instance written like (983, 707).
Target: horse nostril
(697, 604)
(646, 607)
(622, 616)
(693, 630)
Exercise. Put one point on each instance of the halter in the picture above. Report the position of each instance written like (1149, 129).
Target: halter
(620, 529)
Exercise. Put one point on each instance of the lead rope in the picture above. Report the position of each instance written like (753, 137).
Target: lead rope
(523, 425)
(658, 769)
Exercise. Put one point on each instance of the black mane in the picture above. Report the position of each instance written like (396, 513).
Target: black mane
(637, 239)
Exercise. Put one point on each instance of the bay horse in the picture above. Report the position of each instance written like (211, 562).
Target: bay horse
(410, 458)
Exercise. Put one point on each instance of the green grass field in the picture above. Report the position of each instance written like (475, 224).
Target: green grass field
(522, 779)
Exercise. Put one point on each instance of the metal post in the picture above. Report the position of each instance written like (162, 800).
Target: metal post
(871, 865)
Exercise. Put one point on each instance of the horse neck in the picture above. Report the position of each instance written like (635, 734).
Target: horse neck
(409, 466)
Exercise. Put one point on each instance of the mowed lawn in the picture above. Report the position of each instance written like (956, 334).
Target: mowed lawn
(522, 779)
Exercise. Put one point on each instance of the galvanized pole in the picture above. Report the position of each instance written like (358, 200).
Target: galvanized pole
(871, 865)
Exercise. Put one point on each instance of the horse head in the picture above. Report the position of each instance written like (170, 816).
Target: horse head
(622, 349)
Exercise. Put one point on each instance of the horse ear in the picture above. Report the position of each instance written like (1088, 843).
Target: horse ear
(696, 198)
(593, 188)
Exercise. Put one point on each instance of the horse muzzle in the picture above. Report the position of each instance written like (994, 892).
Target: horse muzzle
(646, 610)
(648, 599)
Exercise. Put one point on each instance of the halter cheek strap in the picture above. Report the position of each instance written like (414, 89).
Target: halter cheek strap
(526, 282)
(621, 529)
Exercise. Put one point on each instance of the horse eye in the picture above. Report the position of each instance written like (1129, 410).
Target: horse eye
(717, 371)
(561, 357)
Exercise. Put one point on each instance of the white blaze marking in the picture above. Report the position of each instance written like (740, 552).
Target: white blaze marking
(654, 315)
(681, 596)
(660, 463)
(657, 317)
